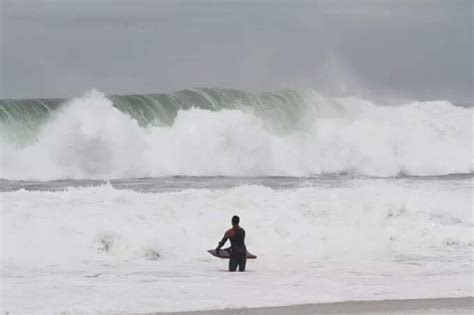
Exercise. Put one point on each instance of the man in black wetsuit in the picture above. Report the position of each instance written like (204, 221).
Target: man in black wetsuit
(238, 251)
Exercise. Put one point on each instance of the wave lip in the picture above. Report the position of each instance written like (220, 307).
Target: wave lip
(218, 132)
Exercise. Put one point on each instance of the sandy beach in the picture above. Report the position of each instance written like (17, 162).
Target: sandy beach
(461, 305)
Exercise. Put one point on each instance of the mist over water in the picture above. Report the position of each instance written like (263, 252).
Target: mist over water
(374, 49)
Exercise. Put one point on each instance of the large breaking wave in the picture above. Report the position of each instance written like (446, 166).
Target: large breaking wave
(210, 132)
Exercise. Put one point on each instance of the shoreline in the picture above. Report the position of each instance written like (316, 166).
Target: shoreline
(457, 305)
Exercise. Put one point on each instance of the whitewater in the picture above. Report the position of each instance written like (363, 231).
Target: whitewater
(109, 203)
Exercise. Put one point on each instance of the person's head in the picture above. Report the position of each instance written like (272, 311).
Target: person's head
(235, 220)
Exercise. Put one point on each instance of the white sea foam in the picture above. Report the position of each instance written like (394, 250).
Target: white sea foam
(102, 249)
(89, 138)
(366, 220)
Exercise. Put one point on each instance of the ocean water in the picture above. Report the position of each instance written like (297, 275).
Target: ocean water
(109, 203)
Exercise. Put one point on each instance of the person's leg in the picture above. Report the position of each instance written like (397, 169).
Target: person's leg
(242, 263)
(233, 262)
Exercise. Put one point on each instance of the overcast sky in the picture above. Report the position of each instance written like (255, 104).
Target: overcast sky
(390, 50)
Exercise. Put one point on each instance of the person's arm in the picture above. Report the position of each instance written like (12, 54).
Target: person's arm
(222, 242)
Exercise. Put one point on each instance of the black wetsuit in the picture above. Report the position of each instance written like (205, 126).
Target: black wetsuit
(238, 251)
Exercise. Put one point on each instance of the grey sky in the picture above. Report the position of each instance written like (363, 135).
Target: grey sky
(375, 49)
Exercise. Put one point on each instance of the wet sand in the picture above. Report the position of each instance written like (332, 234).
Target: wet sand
(462, 305)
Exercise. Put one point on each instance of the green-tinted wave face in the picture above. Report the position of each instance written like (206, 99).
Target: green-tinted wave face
(285, 107)
(281, 110)
(20, 120)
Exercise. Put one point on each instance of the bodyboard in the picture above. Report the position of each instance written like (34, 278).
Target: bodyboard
(225, 253)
